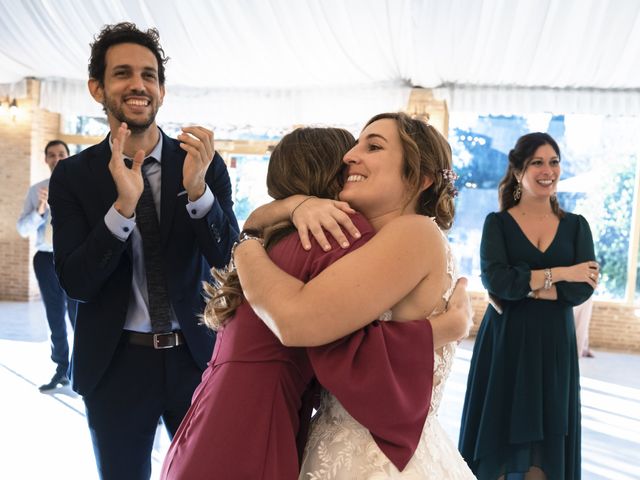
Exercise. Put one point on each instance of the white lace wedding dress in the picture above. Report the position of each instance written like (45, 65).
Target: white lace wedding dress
(339, 448)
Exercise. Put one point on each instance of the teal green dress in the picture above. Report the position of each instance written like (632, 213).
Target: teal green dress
(522, 404)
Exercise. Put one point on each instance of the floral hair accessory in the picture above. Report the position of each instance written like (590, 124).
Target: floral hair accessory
(450, 176)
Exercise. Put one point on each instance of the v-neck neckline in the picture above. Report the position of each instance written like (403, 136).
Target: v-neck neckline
(529, 240)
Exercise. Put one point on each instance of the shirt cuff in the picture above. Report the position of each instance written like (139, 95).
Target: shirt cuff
(120, 226)
(37, 219)
(200, 207)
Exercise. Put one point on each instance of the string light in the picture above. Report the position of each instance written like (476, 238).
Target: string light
(4, 109)
(9, 108)
(13, 109)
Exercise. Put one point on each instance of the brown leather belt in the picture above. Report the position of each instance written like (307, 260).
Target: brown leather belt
(159, 341)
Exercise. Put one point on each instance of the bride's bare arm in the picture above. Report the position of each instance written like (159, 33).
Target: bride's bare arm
(348, 294)
(309, 215)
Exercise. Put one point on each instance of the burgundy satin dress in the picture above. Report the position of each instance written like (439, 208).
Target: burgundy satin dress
(249, 415)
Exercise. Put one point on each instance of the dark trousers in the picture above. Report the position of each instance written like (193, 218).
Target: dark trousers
(56, 304)
(140, 386)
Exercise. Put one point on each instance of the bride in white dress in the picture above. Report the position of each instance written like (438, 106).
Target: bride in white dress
(340, 448)
(397, 175)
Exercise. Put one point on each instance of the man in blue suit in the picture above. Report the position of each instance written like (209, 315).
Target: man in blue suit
(138, 220)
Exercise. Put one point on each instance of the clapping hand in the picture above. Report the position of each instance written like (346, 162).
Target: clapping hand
(128, 182)
(43, 196)
(199, 145)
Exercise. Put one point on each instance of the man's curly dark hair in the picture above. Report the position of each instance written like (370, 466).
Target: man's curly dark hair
(124, 32)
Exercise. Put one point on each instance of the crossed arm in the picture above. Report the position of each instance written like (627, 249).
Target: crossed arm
(572, 283)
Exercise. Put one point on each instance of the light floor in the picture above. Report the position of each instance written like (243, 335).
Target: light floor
(45, 435)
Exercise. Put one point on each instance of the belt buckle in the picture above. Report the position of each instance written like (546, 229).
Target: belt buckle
(158, 336)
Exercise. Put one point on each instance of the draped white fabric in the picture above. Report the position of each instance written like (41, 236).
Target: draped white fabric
(523, 100)
(13, 90)
(280, 58)
(245, 106)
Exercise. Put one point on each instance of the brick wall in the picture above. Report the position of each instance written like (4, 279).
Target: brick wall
(21, 164)
(613, 326)
(15, 177)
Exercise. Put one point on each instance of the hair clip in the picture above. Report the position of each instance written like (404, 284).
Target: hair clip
(450, 176)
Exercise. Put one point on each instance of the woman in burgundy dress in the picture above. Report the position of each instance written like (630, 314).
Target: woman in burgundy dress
(399, 176)
(244, 421)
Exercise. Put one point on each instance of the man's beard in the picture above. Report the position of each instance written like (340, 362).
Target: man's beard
(110, 106)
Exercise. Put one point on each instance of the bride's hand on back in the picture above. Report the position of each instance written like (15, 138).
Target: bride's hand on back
(315, 215)
(460, 306)
(455, 323)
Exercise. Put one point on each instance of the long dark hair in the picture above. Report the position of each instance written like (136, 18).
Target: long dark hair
(426, 154)
(519, 158)
(307, 161)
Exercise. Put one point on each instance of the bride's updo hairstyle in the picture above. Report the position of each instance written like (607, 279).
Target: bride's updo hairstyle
(426, 154)
(307, 161)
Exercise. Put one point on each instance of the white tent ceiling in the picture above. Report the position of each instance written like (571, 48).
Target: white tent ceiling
(269, 57)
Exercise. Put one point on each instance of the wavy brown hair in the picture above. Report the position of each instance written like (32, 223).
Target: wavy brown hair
(519, 158)
(307, 161)
(426, 154)
(124, 32)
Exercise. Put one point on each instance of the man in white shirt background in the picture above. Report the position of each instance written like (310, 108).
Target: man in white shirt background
(35, 221)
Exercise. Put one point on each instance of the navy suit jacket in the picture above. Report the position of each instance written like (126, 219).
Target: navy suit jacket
(95, 267)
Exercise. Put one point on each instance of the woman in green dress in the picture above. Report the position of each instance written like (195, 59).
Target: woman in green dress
(521, 417)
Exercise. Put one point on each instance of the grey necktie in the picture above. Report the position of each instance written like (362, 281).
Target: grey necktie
(149, 227)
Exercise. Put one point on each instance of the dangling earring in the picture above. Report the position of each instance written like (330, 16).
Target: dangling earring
(517, 193)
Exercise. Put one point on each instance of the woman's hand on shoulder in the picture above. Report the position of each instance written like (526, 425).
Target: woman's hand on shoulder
(309, 215)
(317, 215)
(270, 213)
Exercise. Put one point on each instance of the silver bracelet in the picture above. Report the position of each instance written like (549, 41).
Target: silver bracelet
(243, 237)
(548, 279)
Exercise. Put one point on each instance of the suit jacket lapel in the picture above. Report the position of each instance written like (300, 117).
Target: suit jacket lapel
(172, 161)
